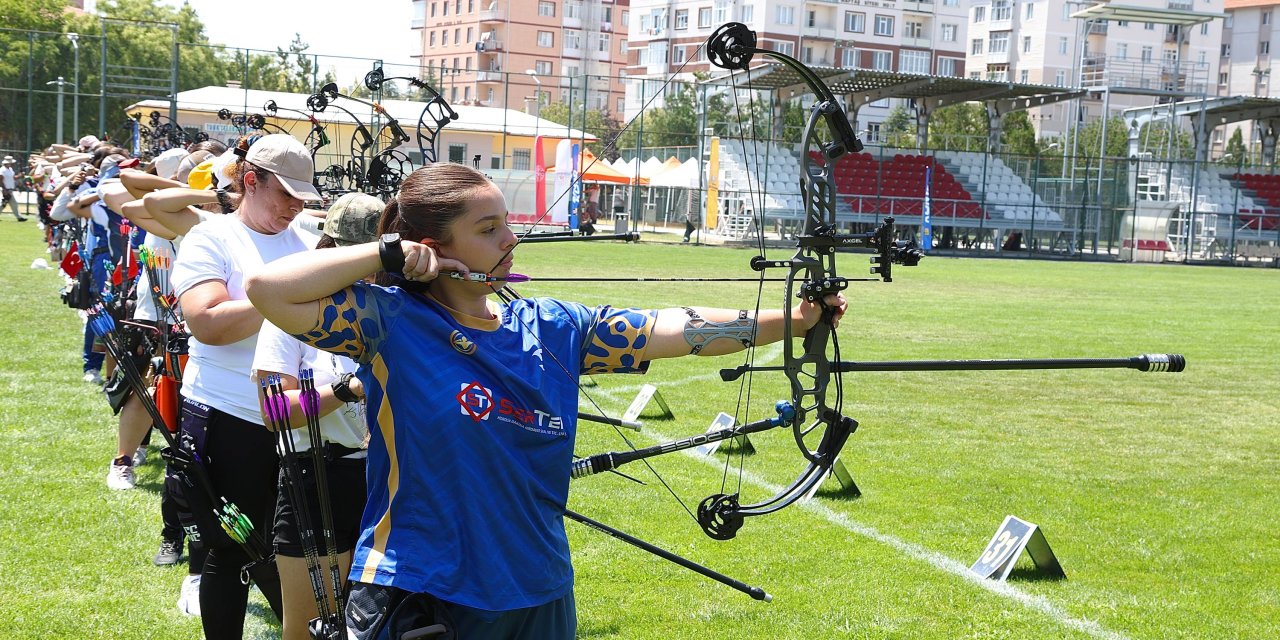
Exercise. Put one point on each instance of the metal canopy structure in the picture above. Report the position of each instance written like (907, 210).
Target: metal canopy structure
(927, 92)
(1216, 112)
(1157, 15)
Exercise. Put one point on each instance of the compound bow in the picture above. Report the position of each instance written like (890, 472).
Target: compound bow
(437, 108)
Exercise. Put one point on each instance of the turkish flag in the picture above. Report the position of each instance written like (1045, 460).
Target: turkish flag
(71, 263)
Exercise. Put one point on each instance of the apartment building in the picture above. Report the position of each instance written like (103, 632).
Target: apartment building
(1165, 49)
(504, 53)
(915, 36)
(1244, 60)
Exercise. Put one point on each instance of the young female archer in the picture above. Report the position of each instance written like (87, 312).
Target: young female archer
(457, 386)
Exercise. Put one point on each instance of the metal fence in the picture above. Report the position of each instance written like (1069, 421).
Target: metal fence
(1146, 208)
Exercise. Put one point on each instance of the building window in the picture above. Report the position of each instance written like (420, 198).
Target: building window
(999, 42)
(1226, 50)
(677, 53)
(785, 48)
(855, 22)
(947, 67)
(446, 8)
(948, 33)
(786, 15)
(979, 14)
(704, 18)
(911, 29)
(546, 9)
(1062, 45)
(1122, 23)
(433, 38)
(1229, 22)
(913, 61)
(974, 75)
(622, 47)
(873, 132)
(1264, 47)
(682, 19)
(1030, 12)
(433, 9)
(543, 68)
(1122, 51)
(748, 13)
(1146, 54)
(573, 10)
(884, 26)
(849, 58)
(722, 12)
(471, 36)
(1060, 78)
(1026, 43)
(546, 39)
(976, 48)
(1266, 17)
(444, 38)
(1024, 75)
(882, 60)
(602, 44)
(1001, 10)
(1149, 26)
(998, 74)
(950, 3)
(1222, 79)
(457, 152)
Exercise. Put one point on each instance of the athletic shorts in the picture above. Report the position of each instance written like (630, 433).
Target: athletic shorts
(375, 612)
(347, 495)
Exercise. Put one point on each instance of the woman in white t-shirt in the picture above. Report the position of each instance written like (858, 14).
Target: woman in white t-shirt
(220, 413)
(353, 219)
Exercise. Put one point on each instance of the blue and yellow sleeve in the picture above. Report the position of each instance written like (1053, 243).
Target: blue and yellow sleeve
(350, 324)
(616, 341)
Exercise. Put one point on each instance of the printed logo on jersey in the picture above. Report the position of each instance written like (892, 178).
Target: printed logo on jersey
(479, 401)
(476, 401)
(461, 343)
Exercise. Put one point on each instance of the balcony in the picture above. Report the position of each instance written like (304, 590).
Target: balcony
(921, 6)
(488, 76)
(493, 15)
(489, 45)
(922, 42)
(822, 33)
(1098, 28)
(998, 57)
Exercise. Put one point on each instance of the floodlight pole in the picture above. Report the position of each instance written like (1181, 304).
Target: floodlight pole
(75, 82)
(61, 84)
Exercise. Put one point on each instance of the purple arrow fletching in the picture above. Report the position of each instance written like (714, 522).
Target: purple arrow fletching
(515, 277)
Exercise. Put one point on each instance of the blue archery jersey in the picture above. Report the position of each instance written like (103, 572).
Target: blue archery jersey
(472, 426)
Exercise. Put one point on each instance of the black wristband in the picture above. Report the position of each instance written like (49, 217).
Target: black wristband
(391, 253)
(342, 389)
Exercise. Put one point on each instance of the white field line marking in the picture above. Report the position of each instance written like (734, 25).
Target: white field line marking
(912, 550)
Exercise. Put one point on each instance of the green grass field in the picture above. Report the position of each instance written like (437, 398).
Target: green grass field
(1158, 492)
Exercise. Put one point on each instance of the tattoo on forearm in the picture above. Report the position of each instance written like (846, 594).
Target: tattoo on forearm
(699, 332)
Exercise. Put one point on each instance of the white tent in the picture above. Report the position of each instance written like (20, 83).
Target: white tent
(651, 167)
(684, 176)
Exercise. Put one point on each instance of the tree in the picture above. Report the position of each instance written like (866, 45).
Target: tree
(1017, 136)
(33, 57)
(1235, 152)
(959, 127)
(898, 130)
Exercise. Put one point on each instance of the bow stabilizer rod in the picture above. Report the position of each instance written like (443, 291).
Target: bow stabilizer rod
(1151, 362)
(755, 592)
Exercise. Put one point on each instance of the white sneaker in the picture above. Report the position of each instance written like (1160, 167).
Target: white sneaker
(189, 600)
(121, 476)
(140, 457)
(94, 377)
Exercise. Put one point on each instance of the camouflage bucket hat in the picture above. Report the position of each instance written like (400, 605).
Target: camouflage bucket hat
(353, 219)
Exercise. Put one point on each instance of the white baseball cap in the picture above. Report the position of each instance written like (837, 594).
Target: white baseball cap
(284, 156)
(167, 163)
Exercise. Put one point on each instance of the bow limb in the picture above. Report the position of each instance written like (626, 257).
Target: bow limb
(436, 109)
